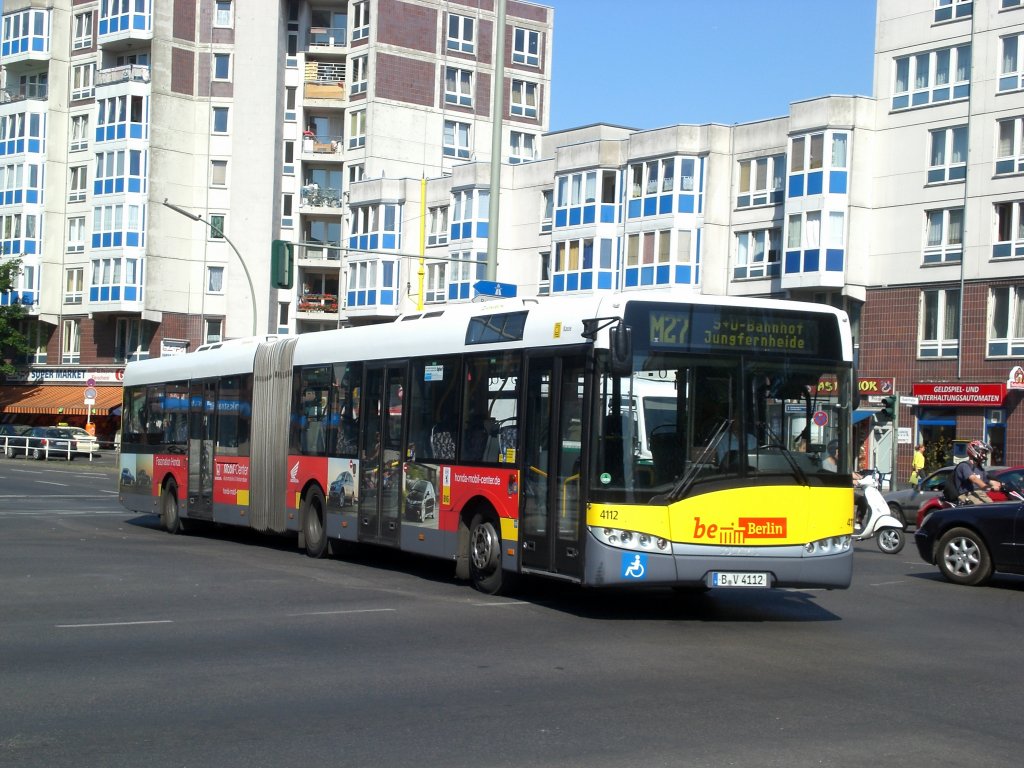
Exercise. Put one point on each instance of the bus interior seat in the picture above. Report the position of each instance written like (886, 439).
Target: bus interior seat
(668, 456)
(442, 443)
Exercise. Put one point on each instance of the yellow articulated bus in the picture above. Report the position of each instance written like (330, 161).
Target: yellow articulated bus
(509, 437)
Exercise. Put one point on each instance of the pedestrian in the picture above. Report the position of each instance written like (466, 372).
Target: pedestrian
(917, 466)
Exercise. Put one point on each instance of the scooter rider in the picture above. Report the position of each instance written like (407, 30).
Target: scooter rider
(971, 478)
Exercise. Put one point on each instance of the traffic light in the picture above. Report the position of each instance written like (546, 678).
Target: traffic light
(282, 264)
(888, 410)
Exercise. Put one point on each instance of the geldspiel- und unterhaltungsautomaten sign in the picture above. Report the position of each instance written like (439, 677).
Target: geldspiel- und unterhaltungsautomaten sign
(960, 394)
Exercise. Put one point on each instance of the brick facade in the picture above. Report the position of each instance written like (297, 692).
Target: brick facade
(404, 79)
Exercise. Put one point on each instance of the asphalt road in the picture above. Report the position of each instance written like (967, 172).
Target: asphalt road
(123, 646)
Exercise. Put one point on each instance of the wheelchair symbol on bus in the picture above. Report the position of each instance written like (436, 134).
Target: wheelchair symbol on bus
(635, 568)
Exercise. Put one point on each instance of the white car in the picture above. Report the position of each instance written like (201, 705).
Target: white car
(85, 443)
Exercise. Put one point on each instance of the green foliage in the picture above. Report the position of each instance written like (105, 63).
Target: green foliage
(12, 342)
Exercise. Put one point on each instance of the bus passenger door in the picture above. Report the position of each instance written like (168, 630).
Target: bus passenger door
(380, 454)
(551, 514)
(202, 401)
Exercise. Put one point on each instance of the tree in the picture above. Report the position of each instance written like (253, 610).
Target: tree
(12, 343)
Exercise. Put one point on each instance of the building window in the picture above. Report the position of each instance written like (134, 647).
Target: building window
(359, 74)
(1009, 238)
(460, 33)
(217, 223)
(71, 343)
(940, 323)
(132, 339)
(214, 330)
(526, 47)
(79, 183)
(218, 173)
(220, 119)
(357, 129)
(360, 21)
(223, 17)
(758, 254)
(438, 234)
(1009, 146)
(458, 86)
(948, 157)
(74, 285)
(932, 77)
(456, 139)
(436, 288)
(1006, 321)
(544, 279)
(948, 10)
(76, 234)
(524, 98)
(222, 66)
(82, 81)
(761, 181)
(523, 147)
(215, 279)
(83, 31)
(356, 172)
(547, 199)
(79, 133)
(944, 235)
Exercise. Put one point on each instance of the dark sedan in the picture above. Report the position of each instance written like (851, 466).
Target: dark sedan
(48, 443)
(969, 543)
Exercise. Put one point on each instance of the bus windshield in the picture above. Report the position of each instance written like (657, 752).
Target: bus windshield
(684, 425)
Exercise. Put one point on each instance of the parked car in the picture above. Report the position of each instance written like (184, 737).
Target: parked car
(87, 444)
(12, 437)
(970, 542)
(50, 443)
(1013, 476)
(905, 502)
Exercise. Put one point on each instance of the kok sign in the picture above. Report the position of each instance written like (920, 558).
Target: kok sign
(876, 386)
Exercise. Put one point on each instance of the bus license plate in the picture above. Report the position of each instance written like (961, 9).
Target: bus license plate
(735, 579)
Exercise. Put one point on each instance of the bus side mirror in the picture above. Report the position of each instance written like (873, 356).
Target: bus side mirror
(621, 349)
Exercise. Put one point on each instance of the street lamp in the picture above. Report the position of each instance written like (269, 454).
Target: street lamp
(218, 231)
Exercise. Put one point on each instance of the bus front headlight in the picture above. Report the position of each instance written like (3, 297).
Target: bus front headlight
(632, 540)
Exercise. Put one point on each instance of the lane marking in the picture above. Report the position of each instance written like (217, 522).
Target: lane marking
(498, 605)
(335, 613)
(114, 624)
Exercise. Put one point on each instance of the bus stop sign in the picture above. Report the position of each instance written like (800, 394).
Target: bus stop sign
(491, 288)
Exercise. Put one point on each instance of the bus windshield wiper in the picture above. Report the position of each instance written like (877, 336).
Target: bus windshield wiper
(776, 442)
(682, 487)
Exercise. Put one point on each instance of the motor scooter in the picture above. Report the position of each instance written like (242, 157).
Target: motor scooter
(876, 520)
(940, 502)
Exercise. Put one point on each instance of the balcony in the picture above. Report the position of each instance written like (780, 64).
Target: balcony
(30, 91)
(131, 73)
(316, 147)
(318, 302)
(314, 196)
(324, 83)
(316, 254)
(327, 39)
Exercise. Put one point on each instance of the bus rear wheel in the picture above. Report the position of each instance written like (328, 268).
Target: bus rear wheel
(313, 524)
(485, 554)
(169, 517)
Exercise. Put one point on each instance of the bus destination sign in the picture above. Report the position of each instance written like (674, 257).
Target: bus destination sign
(714, 329)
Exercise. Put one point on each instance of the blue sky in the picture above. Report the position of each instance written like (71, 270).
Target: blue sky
(652, 63)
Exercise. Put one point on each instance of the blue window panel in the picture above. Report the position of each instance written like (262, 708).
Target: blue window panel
(19, 145)
(561, 216)
(139, 22)
(467, 230)
(104, 28)
(940, 94)
(572, 282)
(646, 275)
(650, 206)
(792, 262)
(632, 278)
(1002, 166)
(743, 201)
(574, 217)
(96, 241)
(388, 274)
(900, 102)
(134, 185)
(558, 284)
(1008, 83)
(812, 258)
(665, 204)
(453, 291)
(108, 240)
(919, 98)
(371, 297)
(1001, 250)
(353, 241)
(132, 239)
(834, 260)
(589, 213)
(837, 182)
(111, 132)
(38, 44)
(686, 203)
(453, 234)
(94, 294)
(131, 293)
(31, 196)
(959, 173)
(30, 246)
(604, 280)
(464, 291)
(482, 228)
(387, 298)
(105, 293)
(34, 145)
(121, 131)
(814, 181)
(683, 274)
(115, 293)
(99, 134)
(388, 242)
(937, 175)
(796, 186)
(97, 187)
(662, 274)
(587, 281)
(607, 214)
(961, 91)
(374, 242)
(634, 209)
(363, 242)
(135, 131)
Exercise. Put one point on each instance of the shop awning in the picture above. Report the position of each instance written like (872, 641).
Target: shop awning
(64, 399)
(860, 414)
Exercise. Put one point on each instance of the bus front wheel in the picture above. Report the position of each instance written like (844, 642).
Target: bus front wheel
(169, 516)
(485, 554)
(313, 524)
